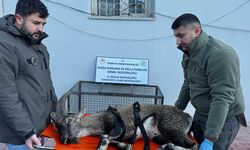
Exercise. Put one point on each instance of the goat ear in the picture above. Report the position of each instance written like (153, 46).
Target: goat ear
(53, 116)
(81, 113)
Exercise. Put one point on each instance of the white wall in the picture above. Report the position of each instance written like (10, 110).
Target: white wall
(1, 8)
(75, 40)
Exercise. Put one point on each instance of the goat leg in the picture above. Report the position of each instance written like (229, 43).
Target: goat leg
(103, 142)
(121, 145)
(171, 146)
(177, 137)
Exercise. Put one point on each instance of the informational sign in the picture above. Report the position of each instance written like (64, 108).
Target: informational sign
(121, 70)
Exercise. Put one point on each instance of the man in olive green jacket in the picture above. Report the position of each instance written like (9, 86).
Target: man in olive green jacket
(211, 83)
(27, 95)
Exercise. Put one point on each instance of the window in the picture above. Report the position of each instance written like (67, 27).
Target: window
(123, 9)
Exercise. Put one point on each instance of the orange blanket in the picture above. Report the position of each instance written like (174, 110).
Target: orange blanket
(88, 143)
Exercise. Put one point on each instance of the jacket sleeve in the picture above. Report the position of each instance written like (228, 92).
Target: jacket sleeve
(223, 76)
(11, 108)
(184, 96)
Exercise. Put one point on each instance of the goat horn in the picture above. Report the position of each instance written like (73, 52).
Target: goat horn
(61, 105)
(82, 112)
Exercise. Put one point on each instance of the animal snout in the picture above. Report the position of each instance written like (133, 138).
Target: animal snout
(73, 140)
(65, 139)
(68, 140)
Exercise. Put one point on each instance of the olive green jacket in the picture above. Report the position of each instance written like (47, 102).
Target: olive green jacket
(212, 83)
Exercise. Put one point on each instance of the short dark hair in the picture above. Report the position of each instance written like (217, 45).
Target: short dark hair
(28, 7)
(184, 20)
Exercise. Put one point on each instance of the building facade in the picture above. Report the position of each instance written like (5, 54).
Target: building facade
(81, 30)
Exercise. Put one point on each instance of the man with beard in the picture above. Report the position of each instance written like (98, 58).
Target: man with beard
(211, 83)
(27, 95)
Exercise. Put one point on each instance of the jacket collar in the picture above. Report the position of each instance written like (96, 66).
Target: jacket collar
(194, 47)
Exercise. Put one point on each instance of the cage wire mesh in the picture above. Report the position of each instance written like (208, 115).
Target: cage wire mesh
(98, 97)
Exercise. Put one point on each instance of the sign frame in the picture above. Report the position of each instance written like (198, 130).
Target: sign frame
(122, 70)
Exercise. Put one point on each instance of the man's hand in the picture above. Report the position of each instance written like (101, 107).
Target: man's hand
(32, 140)
(206, 145)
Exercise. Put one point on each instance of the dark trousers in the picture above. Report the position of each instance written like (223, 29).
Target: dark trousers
(226, 137)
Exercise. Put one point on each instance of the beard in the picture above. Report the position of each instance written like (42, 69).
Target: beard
(33, 35)
(184, 45)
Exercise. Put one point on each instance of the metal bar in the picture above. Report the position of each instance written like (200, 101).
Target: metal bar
(68, 103)
(117, 94)
(106, 8)
(156, 93)
(80, 96)
(131, 89)
(98, 8)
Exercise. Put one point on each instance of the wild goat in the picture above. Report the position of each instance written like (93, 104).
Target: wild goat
(164, 124)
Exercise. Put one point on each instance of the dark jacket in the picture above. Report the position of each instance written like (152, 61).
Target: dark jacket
(212, 83)
(26, 92)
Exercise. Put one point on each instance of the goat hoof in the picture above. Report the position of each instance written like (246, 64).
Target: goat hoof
(169, 146)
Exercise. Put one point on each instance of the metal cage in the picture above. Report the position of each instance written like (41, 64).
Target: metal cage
(98, 96)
